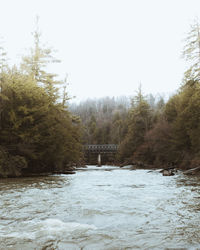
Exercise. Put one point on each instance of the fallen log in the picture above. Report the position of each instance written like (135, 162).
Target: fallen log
(192, 171)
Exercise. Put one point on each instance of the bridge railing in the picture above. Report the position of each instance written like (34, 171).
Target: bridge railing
(101, 148)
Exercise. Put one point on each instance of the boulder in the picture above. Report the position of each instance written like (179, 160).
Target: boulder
(131, 167)
(168, 172)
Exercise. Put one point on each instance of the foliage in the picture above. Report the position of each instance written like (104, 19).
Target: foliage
(191, 52)
(36, 63)
(11, 166)
(104, 119)
(39, 133)
(172, 138)
(139, 122)
(36, 126)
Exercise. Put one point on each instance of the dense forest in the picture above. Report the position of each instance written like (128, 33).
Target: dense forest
(150, 130)
(37, 132)
(41, 131)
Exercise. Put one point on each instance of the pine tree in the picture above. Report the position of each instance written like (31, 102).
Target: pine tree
(36, 65)
(191, 52)
(139, 122)
(3, 71)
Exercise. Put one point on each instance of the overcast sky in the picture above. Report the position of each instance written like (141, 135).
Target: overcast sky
(107, 47)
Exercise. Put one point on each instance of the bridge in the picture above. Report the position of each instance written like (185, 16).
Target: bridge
(100, 149)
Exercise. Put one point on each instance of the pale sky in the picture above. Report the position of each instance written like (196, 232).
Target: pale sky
(107, 47)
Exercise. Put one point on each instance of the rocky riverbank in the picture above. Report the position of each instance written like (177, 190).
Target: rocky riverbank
(167, 170)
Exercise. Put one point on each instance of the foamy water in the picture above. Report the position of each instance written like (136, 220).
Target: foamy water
(100, 208)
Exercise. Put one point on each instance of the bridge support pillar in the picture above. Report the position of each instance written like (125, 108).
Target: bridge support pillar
(99, 160)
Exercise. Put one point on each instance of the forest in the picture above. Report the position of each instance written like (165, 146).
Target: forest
(151, 131)
(41, 131)
(37, 132)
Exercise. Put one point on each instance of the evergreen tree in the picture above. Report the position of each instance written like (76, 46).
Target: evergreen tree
(37, 133)
(36, 65)
(139, 122)
(191, 52)
(47, 136)
(3, 71)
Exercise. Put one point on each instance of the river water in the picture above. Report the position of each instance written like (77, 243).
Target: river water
(100, 208)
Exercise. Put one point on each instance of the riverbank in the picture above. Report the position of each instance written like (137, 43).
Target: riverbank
(13, 171)
(73, 170)
(167, 165)
(13, 166)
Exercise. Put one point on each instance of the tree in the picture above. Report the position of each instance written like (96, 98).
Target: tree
(182, 112)
(191, 52)
(36, 65)
(37, 130)
(3, 71)
(3, 58)
(139, 122)
(45, 134)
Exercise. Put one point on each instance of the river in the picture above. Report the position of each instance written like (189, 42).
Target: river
(100, 208)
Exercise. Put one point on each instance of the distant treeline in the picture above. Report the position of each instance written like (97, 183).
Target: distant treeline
(147, 129)
(37, 132)
(105, 120)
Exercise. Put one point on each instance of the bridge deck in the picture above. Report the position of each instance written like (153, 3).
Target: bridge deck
(103, 148)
